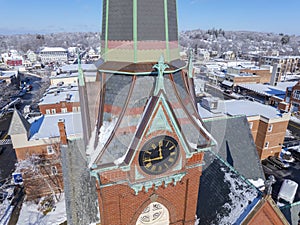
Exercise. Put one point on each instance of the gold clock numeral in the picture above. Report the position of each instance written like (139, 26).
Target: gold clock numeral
(173, 153)
(153, 146)
(172, 147)
(153, 168)
(159, 168)
(148, 165)
(160, 144)
(171, 160)
(168, 142)
(166, 165)
(148, 152)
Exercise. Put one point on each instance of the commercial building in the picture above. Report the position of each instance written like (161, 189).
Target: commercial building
(267, 124)
(53, 54)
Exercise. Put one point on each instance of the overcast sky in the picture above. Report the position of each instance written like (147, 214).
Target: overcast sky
(47, 16)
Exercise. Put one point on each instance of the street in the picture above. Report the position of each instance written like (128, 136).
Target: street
(8, 157)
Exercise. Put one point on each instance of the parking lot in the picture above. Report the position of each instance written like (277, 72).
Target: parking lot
(291, 173)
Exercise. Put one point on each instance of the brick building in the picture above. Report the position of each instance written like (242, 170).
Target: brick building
(267, 124)
(37, 147)
(282, 66)
(293, 97)
(263, 72)
(60, 99)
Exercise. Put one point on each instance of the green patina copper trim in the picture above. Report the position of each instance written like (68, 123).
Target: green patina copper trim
(177, 28)
(167, 29)
(175, 125)
(160, 67)
(135, 28)
(173, 179)
(96, 175)
(138, 175)
(190, 67)
(141, 73)
(160, 122)
(179, 165)
(80, 72)
(106, 29)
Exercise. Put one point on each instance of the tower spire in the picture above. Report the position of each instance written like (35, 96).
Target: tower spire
(190, 65)
(80, 71)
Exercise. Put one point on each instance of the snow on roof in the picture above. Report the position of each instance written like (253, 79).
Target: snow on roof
(263, 89)
(204, 113)
(284, 85)
(8, 74)
(64, 75)
(53, 49)
(74, 67)
(242, 75)
(47, 126)
(240, 107)
(248, 108)
(240, 197)
(53, 98)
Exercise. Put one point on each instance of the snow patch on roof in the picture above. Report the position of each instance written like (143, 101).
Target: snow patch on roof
(105, 132)
(240, 196)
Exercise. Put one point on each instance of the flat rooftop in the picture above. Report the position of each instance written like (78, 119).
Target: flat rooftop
(57, 95)
(269, 90)
(240, 107)
(46, 126)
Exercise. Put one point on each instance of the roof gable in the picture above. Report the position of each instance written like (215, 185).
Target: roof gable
(18, 125)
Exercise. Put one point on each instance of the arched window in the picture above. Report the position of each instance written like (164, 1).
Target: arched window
(154, 214)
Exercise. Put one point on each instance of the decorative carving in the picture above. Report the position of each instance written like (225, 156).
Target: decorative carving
(153, 197)
(160, 67)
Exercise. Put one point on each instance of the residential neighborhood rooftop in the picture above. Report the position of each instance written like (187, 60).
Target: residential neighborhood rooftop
(46, 126)
(240, 107)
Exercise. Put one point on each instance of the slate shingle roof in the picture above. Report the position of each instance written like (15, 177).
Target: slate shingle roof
(236, 145)
(224, 196)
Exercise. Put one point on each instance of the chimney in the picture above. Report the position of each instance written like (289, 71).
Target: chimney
(62, 132)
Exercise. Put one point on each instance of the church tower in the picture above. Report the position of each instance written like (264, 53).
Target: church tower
(148, 140)
(139, 30)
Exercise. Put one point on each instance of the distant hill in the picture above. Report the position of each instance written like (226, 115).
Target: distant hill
(213, 39)
(240, 41)
(23, 42)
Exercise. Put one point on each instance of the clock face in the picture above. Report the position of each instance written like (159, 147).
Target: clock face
(158, 155)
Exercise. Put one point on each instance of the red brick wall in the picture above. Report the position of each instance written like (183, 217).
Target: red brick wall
(38, 178)
(266, 215)
(119, 204)
(58, 106)
(275, 138)
(265, 75)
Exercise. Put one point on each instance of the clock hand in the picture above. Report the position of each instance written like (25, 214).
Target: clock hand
(152, 159)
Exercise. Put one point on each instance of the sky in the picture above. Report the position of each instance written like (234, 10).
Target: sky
(48, 16)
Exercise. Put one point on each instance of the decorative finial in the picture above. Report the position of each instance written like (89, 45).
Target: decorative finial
(268, 185)
(80, 71)
(160, 67)
(190, 66)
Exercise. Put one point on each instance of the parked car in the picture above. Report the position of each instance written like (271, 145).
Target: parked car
(287, 192)
(275, 160)
(295, 154)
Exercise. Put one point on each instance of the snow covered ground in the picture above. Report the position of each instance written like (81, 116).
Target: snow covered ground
(5, 207)
(31, 215)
